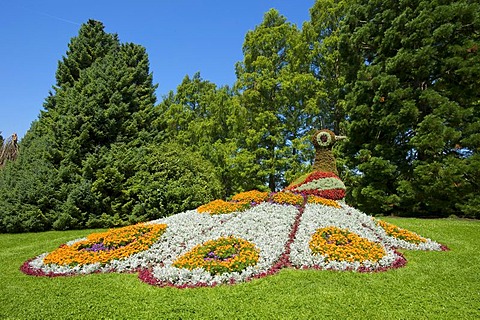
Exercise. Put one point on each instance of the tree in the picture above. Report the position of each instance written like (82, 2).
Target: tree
(277, 95)
(103, 101)
(323, 34)
(203, 118)
(91, 44)
(110, 104)
(413, 107)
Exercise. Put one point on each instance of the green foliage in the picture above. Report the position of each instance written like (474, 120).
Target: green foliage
(277, 96)
(203, 118)
(89, 160)
(91, 44)
(151, 182)
(400, 79)
(29, 187)
(323, 34)
(412, 105)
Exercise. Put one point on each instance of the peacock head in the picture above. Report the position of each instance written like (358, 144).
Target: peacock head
(325, 139)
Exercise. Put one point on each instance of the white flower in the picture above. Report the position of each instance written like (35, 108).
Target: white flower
(266, 225)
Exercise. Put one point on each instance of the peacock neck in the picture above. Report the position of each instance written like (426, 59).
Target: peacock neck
(325, 161)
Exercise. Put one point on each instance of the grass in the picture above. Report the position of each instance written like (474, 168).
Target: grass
(433, 285)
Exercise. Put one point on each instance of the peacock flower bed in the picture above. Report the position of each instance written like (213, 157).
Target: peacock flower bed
(253, 235)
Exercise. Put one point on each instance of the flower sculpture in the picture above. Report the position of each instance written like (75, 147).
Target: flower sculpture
(254, 234)
(324, 180)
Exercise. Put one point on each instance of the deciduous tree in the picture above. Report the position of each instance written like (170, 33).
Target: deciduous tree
(277, 94)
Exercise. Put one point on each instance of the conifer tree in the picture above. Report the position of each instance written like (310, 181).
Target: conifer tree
(91, 44)
(76, 167)
(413, 106)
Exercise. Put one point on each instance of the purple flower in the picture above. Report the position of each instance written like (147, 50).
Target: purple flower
(97, 247)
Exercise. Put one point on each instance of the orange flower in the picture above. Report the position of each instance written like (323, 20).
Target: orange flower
(222, 207)
(104, 247)
(342, 245)
(399, 233)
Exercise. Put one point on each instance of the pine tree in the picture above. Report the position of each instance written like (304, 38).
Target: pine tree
(110, 104)
(91, 44)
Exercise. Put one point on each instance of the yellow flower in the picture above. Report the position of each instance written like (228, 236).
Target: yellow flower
(399, 233)
(222, 207)
(104, 247)
(337, 244)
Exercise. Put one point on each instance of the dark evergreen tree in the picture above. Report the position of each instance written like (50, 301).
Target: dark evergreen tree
(89, 160)
(91, 44)
(414, 105)
(111, 103)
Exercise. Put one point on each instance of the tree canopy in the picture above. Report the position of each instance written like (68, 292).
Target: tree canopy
(80, 163)
(413, 106)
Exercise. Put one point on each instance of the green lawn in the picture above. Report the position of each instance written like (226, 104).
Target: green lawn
(433, 285)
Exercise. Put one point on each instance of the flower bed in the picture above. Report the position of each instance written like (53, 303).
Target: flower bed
(223, 255)
(318, 216)
(245, 200)
(119, 250)
(337, 244)
(106, 246)
(267, 226)
(210, 249)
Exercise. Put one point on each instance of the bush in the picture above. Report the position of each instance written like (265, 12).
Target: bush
(151, 182)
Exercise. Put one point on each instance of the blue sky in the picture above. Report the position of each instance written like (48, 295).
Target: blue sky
(181, 37)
